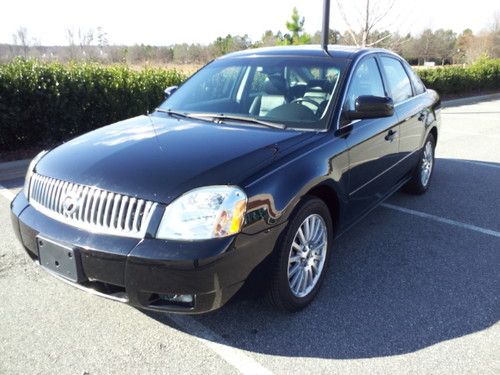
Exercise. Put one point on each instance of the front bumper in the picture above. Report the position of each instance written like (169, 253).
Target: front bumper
(147, 272)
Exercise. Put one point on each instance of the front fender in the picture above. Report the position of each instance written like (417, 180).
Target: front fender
(274, 192)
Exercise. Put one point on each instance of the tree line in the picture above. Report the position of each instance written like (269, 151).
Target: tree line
(437, 46)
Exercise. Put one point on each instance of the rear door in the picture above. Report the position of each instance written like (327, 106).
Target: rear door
(373, 143)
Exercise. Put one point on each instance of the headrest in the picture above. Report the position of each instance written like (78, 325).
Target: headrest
(275, 85)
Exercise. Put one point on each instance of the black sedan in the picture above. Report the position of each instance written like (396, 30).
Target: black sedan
(257, 163)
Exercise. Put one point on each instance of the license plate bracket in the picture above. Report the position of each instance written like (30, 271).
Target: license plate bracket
(60, 259)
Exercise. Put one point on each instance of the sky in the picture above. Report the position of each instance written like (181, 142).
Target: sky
(166, 22)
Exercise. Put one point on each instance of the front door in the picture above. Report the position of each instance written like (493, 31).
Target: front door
(373, 143)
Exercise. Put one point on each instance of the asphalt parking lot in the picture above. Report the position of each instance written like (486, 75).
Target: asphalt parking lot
(414, 288)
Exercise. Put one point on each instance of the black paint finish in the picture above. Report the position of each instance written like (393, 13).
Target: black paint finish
(353, 166)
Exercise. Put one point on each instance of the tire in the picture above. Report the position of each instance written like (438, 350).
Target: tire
(312, 260)
(421, 178)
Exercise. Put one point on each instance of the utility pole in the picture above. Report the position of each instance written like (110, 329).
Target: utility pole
(326, 25)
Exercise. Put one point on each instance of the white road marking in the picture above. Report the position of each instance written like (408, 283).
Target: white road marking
(442, 219)
(235, 357)
(9, 195)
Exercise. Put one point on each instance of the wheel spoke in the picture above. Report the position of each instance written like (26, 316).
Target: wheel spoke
(303, 283)
(314, 267)
(314, 230)
(296, 279)
(309, 277)
(293, 271)
(301, 236)
(307, 230)
(318, 246)
(294, 259)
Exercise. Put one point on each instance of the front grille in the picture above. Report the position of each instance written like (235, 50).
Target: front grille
(90, 208)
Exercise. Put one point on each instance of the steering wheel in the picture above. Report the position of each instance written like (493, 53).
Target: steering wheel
(306, 100)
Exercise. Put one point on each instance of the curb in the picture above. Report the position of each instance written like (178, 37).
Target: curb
(469, 100)
(13, 169)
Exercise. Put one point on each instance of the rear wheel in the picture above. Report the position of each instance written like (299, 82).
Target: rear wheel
(421, 178)
(302, 256)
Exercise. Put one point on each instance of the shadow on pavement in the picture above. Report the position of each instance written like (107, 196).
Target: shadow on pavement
(396, 284)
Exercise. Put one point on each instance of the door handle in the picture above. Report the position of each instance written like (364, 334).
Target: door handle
(391, 135)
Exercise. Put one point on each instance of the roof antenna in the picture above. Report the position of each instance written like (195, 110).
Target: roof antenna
(326, 25)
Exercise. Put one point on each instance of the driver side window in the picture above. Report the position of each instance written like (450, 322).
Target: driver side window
(366, 80)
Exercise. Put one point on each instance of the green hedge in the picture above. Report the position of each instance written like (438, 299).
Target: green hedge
(484, 75)
(45, 103)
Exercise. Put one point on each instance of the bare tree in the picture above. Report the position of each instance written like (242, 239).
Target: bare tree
(374, 12)
(85, 37)
(72, 49)
(102, 37)
(495, 35)
(21, 38)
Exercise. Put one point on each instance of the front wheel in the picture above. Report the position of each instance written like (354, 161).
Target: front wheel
(421, 178)
(302, 256)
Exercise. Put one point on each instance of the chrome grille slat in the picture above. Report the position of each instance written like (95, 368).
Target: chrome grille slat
(137, 214)
(114, 213)
(57, 196)
(86, 214)
(34, 186)
(98, 210)
(82, 200)
(53, 195)
(95, 198)
(102, 196)
(78, 193)
(45, 187)
(122, 212)
(109, 199)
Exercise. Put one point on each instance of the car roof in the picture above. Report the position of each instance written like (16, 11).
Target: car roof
(347, 52)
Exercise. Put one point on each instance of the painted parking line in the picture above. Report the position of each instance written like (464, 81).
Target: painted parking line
(441, 219)
(235, 357)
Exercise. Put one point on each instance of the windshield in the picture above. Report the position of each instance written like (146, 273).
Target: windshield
(291, 91)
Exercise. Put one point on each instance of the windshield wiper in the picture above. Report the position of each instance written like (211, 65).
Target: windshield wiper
(221, 118)
(174, 113)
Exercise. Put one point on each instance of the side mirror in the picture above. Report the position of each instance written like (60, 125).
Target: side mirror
(170, 90)
(369, 106)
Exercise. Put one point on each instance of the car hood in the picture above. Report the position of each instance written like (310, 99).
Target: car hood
(159, 158)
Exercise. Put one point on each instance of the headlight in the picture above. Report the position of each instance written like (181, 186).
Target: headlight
(203, 213)
(29, 173)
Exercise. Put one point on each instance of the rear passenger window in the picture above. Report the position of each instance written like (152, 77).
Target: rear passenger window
(417, 82)
(366, 80)
(398, 80)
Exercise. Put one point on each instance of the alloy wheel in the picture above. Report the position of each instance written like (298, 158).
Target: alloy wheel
(427, 163)
(307, 255)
